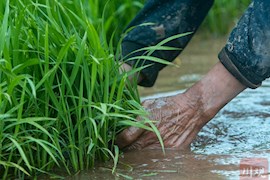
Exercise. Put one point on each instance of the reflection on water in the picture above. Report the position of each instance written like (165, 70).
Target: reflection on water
(240, 130)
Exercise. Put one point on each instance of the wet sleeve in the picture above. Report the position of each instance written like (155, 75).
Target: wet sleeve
(169, 17)
(247, 52)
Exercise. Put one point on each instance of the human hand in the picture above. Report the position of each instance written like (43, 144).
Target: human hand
(178, 119)
(126, 68)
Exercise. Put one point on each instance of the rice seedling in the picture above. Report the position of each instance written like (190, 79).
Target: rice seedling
(62, 99)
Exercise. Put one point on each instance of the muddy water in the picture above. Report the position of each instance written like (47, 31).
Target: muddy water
(239, 131)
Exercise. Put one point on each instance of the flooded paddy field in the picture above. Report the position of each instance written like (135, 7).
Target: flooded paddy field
(237, 138)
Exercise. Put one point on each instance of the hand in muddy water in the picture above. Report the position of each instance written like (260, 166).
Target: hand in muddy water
(177, 118)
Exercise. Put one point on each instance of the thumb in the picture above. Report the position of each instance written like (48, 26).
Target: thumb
(128, 136)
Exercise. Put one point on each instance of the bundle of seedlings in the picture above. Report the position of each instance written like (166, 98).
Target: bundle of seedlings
(62, 98)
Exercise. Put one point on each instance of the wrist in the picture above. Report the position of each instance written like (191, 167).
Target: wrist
(214, 91)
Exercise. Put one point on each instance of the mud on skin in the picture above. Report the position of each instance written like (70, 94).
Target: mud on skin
(178, 124)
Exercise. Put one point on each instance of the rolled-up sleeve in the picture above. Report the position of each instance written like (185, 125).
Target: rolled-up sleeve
(247, 52)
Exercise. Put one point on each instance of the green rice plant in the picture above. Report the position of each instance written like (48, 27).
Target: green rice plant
(62, 98)
(117, 15)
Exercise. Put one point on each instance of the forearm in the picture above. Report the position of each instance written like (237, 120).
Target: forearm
(214, 91)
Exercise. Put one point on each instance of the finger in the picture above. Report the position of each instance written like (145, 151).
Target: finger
(128, 136)
(146, 139)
